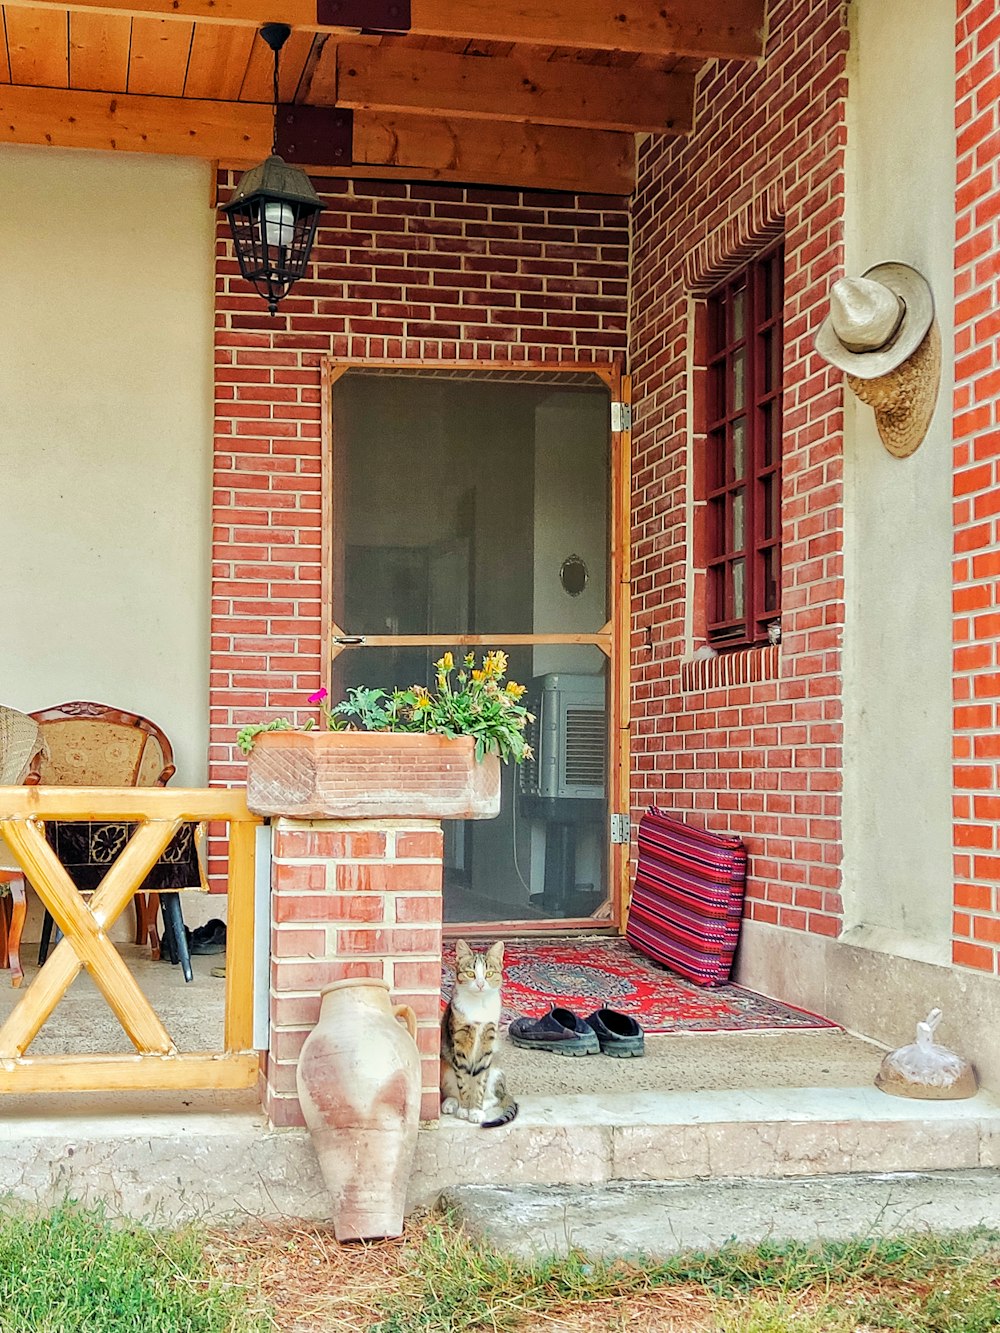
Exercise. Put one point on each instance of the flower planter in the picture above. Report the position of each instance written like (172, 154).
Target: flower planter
(370, 775)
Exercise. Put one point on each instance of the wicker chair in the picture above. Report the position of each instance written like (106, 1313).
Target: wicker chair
(92, 745)
(21, 751)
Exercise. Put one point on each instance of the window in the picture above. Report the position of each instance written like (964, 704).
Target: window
(744, 453)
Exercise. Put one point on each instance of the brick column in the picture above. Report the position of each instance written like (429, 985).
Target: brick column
(352, 898)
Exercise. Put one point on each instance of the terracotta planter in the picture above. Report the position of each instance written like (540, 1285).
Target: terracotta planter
(359, 1085)
(370, 775)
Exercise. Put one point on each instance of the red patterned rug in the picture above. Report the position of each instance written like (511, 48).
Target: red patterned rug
(584, 975)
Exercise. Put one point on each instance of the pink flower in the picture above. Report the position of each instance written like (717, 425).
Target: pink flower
(319, 696)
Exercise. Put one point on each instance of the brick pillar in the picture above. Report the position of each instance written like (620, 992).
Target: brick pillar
(352, 898)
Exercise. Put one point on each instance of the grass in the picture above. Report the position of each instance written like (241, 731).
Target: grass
(73, 1271)
(919, 1283)
(439, 1280)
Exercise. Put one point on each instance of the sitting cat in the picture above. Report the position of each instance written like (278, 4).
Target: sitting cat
(472, 1086)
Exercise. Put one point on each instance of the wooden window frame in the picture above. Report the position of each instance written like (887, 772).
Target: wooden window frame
(744, 337)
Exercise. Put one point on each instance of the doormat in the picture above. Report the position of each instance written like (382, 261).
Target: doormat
(584, 975)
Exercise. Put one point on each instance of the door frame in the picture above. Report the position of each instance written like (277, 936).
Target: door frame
(614, 638)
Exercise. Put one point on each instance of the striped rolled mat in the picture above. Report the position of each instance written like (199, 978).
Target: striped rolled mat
(687, 901)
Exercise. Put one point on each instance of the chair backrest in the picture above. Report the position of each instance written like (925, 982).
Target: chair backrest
(20, 744)
(92, 745)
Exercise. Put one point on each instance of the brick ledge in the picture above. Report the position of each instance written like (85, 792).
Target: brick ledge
(746, 666)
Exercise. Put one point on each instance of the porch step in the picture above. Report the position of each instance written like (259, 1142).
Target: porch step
(722, 1133)
(177, 1157)
(626, 1219)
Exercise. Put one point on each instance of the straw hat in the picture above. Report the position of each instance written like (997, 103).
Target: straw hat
(881, 330)
(876, 321)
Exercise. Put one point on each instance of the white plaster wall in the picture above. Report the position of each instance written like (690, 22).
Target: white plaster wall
(897, 665)
(106, 436)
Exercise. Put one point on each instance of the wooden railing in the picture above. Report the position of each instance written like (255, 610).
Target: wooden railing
(159, 813)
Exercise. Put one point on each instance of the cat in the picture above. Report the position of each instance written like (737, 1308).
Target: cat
(473, 1086)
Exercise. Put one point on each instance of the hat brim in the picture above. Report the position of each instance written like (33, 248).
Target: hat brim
(913, 289)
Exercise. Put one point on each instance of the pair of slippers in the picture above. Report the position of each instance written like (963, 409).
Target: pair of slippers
(564, 1033)
(209, 938)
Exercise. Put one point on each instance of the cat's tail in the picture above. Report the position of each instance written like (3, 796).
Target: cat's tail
(509, 1112)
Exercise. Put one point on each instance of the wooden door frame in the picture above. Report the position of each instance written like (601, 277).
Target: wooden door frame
(614, 638)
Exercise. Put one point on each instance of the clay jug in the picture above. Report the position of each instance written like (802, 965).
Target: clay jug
(359, 1082)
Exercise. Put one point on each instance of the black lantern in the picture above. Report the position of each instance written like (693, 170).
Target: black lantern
(274, 210)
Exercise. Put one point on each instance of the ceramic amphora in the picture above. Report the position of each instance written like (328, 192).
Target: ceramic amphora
(359, 1085)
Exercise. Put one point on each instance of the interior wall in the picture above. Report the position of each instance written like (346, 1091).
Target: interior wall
(106, 436)
(898, 513)
(572, 487)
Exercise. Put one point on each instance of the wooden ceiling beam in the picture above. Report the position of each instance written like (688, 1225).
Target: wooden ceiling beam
(701, 28)
(518, 88)
(386, 146)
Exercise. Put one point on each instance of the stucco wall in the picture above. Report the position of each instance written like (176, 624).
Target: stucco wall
(106, 436)
(897, 662)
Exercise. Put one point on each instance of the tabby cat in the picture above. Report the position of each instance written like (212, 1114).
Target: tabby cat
(472, 1085)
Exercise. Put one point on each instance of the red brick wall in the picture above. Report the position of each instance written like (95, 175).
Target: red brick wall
(352, 899)
(416, 271)
(738, 745)
(977, 491)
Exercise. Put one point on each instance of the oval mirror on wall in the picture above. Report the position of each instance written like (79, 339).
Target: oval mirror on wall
(573, 575)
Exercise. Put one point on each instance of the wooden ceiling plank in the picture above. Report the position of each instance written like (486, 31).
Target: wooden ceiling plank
(701, 28)
(536, 156)
(518, 88)
(99, 51)
(4, 62)
(257, 82)
(217, 67)
(126, 123)
(705, 28)
(159, 58)
(38, 46)
(540, 157)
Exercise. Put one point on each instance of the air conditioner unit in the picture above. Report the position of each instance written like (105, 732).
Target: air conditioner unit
(569, 737)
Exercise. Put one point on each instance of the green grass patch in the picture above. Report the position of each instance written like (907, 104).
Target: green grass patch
(72, 1270)
(917, 1283)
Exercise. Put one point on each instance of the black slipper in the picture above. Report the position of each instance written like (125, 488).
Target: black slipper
(619, 1035)
(209, 938)
(560, 1031)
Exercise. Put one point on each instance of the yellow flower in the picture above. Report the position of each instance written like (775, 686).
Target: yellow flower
(514, 690)
(423, 703)
(447, 662)
(479, 675)
(495, 663)
(470, 659)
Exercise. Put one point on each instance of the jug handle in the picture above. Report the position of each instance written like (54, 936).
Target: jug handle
(404, 1014)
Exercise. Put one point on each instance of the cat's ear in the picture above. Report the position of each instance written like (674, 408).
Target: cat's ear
(494, 954)
(462, 950)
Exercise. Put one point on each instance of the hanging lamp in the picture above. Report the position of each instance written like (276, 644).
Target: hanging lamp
(274, 209)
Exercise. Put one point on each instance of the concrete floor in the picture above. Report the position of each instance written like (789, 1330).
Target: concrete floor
(696, 1062)
(82, 1022)
(685, 1062)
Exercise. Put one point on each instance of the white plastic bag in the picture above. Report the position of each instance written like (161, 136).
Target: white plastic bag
(925, 1069)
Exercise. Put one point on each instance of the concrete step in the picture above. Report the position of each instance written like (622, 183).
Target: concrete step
(660, 1219)
(743, 1132)
(182, 1156)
